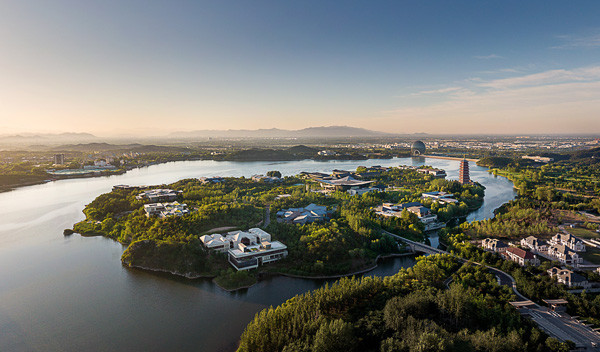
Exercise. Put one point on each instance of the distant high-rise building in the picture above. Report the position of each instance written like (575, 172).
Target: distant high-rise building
(59, 159)
(463, 172)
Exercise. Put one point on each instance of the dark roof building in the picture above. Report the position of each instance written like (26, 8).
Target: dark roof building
(417, 148)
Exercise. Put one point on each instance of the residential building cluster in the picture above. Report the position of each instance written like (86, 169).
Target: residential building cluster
(563, 247)
(520, 256)
(246, 249)
(308, 214)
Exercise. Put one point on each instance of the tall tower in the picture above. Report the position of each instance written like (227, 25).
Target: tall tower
(59, 159)
(463, 172)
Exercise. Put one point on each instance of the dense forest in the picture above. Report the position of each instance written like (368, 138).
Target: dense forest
(410, 311)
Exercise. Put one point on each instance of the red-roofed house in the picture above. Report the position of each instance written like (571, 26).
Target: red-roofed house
(522, 257)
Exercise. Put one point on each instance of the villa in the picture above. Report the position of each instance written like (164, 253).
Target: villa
(521, 256)
(566, 239)
(267, 179)
(535, 244)
(494, 245)
(569, 278)
(564, 255)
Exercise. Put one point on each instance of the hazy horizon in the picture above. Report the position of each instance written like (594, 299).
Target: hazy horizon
(151, 68)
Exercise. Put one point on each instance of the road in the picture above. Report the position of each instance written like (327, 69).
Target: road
(267, 216)
(560, 325)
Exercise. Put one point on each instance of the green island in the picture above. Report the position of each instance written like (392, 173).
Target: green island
(347, 240)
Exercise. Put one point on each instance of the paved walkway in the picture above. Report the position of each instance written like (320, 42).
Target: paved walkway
(267, 216)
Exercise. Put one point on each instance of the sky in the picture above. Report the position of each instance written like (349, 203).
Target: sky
(130, 67)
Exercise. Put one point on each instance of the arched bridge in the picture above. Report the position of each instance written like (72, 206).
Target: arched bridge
(416, 246)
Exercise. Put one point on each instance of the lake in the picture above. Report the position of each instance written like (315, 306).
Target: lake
(72, 294)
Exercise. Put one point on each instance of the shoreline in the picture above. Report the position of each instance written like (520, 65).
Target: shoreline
(191, 276)
(53, 178)
(359, 272)
(448, 158)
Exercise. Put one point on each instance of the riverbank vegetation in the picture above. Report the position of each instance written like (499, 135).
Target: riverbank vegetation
(410, 311)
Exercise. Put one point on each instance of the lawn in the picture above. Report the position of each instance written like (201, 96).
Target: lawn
(583, 233)
(591, 255)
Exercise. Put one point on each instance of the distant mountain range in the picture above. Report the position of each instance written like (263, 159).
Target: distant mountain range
(50, 138)
(316, 132)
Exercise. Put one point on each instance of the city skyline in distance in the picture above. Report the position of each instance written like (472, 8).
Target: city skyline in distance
(151, 69)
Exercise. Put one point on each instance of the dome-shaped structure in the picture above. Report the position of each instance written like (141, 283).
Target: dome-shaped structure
(418, 148)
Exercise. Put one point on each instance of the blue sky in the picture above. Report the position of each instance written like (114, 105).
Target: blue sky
(148, 67)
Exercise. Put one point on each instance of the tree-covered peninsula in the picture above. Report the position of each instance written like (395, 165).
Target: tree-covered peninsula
(350, 240)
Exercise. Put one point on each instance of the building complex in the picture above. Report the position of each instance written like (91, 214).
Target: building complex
(308, 214)
(246, 249)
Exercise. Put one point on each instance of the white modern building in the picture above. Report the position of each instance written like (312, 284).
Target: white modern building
(425, 215)
(441, 197)
(158, 195)
(246, 249)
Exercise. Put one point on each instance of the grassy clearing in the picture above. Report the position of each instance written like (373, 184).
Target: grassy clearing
(583, 233)
(591, 255)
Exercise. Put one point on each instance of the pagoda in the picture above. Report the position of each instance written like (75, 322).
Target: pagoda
(463, 172)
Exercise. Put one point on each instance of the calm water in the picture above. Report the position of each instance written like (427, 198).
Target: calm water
(72, 294)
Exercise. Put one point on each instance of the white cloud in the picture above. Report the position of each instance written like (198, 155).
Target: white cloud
(574, 42)
(488, 57)
(436, 91)
(547, 77)
(554, 101)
